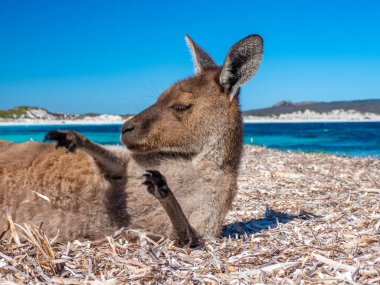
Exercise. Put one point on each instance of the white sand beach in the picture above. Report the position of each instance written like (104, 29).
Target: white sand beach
(285, 118)
(310, 116)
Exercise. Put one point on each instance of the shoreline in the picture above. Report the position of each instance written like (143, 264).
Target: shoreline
(106, 122)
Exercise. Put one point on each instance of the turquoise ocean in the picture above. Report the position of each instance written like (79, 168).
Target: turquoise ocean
(348, 139)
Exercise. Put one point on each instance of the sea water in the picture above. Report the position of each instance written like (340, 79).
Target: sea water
(352, 139)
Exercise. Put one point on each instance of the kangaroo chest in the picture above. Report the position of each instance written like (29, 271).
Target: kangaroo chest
(200, 190)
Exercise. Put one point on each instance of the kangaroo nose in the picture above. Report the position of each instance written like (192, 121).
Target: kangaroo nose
(127, 128)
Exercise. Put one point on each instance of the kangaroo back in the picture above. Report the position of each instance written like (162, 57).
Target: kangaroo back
(4, 145)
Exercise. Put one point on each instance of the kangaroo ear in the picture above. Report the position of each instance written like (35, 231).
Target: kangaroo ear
(202, 61)
(241, 63)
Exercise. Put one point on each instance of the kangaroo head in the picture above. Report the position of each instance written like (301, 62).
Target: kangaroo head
(200, 113)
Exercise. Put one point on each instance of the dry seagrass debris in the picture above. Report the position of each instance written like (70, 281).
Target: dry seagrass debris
(297, 219)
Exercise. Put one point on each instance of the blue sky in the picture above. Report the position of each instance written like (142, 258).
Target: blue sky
(117, 56)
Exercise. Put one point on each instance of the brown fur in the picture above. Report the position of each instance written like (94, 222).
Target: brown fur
(192, 135)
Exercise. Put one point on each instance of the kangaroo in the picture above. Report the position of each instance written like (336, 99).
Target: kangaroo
(192, 135)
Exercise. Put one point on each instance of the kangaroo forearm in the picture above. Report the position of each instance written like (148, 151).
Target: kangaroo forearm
(111, 165)
(180, 223)
(182, 233)
(107, 160)
(174, 211)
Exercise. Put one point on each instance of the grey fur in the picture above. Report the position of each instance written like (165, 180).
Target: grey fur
(241, 63)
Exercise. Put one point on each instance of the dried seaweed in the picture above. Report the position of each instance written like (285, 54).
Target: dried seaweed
(297, 219)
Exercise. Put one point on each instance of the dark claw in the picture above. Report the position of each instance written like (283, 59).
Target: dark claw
(55, 136)
(62, 140)
(71, 147)
(156, 184)
(147, 175)
(155, 172)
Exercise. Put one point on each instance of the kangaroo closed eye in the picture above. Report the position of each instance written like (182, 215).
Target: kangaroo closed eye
(180, 107)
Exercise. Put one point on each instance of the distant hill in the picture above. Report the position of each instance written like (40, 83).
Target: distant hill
(18, 112)
(29, 112)
(287, 107)
(358, 110)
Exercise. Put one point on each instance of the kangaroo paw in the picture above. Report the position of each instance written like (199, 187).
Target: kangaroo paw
(67, 139)
(156, 184)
